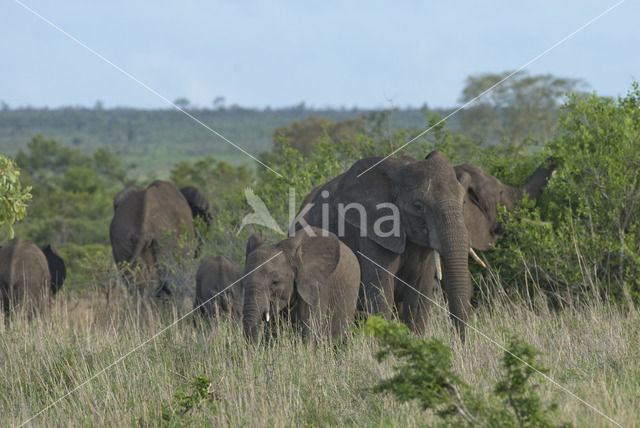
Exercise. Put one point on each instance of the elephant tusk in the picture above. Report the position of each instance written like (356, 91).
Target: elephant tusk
(438, 265)
(476, 258)
(267, 316)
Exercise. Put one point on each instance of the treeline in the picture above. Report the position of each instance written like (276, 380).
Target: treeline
(153, 140)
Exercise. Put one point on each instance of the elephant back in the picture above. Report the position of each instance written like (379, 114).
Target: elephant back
(165, 208)
(24, 276)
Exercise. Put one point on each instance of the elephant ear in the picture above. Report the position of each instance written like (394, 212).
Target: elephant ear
(124, 195)
(483, 194)
(57, 267)
(360, 193)
(254, 242)
(199, 204)
(315, 260)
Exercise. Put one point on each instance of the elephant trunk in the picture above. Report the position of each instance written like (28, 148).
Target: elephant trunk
(251, 313)
(454, 250)
(538, 179)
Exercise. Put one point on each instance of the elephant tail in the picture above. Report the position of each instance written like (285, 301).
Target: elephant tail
(137, 252)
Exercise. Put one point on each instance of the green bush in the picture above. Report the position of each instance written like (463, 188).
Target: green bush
(13, 197)
(424, 372)
(591, 244)
(198, 392)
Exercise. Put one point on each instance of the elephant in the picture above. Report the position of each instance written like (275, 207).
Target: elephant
(311, 279)
(29, 276)
(212, 300)
(143, 219)
(218, 291)
(198, 202)
(438, 214)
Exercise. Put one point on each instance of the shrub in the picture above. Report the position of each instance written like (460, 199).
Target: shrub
(592, 242)
(13, 197)
(424, 372)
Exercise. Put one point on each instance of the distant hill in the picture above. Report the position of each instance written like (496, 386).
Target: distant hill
(156, 139)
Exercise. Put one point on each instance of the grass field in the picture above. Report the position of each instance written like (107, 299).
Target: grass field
(588, 349)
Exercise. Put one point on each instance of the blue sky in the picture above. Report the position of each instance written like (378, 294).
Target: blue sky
(280, 53)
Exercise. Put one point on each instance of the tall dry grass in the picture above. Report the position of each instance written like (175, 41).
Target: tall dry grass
(592, 349)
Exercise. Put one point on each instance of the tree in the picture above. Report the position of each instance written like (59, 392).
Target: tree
(72, 192)
(182, 102)
(591, 206)
(304, 134)
(13, 197)
(519, 107)
(218, 102)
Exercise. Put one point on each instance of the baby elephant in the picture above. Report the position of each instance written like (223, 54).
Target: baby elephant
(29, 276)
(313, 280)
(214, 275)
(218, 291)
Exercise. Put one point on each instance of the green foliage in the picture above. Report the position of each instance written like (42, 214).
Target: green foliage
(156, 139)
(13, 197)
(304, 134)
(72, 192)
(520, 107)
(208, 174)
(516, 390)
(72, 203)
(424, 372)
(591, 244)
(197, 392)
(223, 185)
(87, 264)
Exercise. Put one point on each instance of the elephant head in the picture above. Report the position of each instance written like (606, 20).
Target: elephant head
(484, 193)
(198, 202)
(296, 272)
(419, 201)
(57, 267)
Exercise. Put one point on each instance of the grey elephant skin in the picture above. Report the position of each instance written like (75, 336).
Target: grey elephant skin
(219, 291)
(441, 208)
(312, 281)
(29, 276)
(213, 299)
(142, 220)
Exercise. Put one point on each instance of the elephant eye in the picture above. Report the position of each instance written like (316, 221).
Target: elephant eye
(274, 284)
(417, 205)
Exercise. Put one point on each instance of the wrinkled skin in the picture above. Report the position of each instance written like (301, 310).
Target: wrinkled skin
(485, 193)
(214, 275)
(29, 276)
(218, 289)
(198, 202)
(312, 281)
(142, 220)
(440, 208)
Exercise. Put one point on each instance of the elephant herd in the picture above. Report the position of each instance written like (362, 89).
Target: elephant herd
(338, 259)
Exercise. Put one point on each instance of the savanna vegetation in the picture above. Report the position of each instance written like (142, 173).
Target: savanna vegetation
(563, 280)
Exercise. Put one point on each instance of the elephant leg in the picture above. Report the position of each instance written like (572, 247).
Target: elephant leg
(418, 297)
(378, 280)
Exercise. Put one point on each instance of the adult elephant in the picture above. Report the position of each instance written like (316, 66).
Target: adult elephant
(146, 224)
(29, 276)
(434, 215)
(312, 278)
